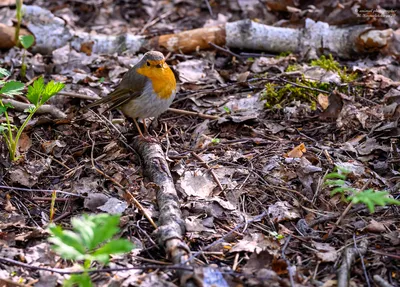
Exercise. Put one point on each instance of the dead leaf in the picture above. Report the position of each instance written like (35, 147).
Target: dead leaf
(113, 206)
(24, 143)
(198, 184)
(326, 253)
(281, 211)
(323, 101)
(377, 227)
(297, 152)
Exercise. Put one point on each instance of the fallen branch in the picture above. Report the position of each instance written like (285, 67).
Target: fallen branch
(244, 34)
(79, 96)
(45, 109)
(171, 230)
(349, 255)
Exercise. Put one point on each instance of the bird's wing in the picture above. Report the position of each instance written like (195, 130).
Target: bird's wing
(130, 87)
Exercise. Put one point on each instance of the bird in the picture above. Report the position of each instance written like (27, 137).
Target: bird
(146, 90)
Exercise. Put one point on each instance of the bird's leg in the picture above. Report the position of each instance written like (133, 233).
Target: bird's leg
(138, 128)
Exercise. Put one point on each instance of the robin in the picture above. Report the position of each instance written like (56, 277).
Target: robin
(146, 90)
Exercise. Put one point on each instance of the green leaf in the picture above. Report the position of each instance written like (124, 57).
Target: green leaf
(35, 91)
(342, 190)
(27, 41)
(3, 129)
(50, 90)
(67, 243)
(335, 175)
(82, 280)
(372, 198)
(116, 246)
(338, 182)
(4, 107)
(85, 228)
(106, 227)
(4, 72)
(12, 88)
(30, 109)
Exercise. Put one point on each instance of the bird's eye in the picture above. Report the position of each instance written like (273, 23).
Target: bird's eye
(159, 66)
(148, 64)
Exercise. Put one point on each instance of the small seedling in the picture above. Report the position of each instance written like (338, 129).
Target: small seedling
(90, 240)
(26, 42)
(369, 197)
(38, 94)
(215, 141)
(227, 110)
(18, 15)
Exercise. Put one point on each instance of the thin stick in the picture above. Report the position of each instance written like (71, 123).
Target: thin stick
(290, 271)
(362, 260)
(209, 168)
(346, 211)
(42, 190)
(44, 109)
(225, 50)
(79, 96)
(131, 197)
(189, 113)
(209, 8)
(62, 271)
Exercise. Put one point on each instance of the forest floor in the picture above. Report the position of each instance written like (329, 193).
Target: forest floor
(279, 129)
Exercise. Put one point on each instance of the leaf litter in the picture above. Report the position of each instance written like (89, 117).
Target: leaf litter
(271, 160)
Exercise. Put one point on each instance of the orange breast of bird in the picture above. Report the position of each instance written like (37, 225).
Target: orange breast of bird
(162, 78)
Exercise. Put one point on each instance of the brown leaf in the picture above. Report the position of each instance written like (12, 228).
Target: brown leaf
(297, 152)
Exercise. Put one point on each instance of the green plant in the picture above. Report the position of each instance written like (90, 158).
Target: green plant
(18, 4)
(369, 197)
(38, 94)
(330, 64)
(301, 90)
(89, 240)
(26, 42)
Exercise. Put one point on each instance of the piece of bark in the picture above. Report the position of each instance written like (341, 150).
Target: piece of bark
(190, 41)
(171, 230)
(45, 109)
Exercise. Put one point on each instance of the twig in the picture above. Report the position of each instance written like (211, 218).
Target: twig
(225, 50)
(348, 258)
(42, 190)
(189, 113)
(290, 271)
(79, 96)
(209, 8)
(381, 282)
(209, 168)
(44, 109)
(62, 271)
(131, 197)
(346, 211)
(362, 261)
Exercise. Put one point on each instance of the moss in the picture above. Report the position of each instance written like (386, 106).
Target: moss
(278, 96)
(329, 64)
(292, 68)
(283, 54)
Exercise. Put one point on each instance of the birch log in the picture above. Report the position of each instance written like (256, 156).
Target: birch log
(314, 39)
